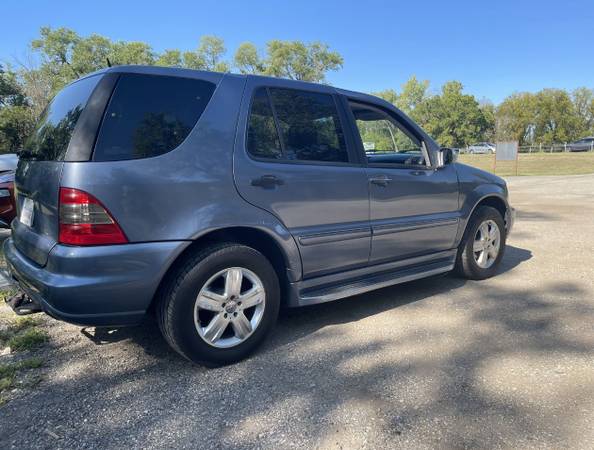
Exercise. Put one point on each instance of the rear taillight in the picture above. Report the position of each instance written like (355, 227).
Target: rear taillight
(84, 220)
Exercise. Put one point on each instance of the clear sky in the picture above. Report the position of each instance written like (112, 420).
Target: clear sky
(493, 47)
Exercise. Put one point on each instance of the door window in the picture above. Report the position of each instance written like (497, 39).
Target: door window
(386, 141)
(307, 127)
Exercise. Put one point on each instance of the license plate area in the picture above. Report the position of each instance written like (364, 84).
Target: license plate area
(27, 212)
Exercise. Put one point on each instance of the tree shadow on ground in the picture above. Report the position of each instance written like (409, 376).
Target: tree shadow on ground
(441, 371)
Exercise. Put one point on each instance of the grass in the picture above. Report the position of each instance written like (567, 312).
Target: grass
(27, 340)
(535, 163)
(20, 334)
(9, 372)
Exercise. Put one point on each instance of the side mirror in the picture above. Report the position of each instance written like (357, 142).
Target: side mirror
(446, 156)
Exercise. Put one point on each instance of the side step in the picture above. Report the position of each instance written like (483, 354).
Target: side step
(360, 286)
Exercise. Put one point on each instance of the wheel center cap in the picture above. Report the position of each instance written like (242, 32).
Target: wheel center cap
(231, 307)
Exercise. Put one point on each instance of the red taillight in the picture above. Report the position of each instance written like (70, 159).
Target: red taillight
(84, 220)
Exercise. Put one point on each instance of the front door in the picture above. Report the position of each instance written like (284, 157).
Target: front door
(295, 161)
(413, 207)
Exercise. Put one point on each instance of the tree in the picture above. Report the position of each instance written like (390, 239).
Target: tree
(583, 101)
(453, 118)
(556, 119)
(298, 61)
(515, 118)
(247, 60)
(16, 119)
(11, 93)
(288, 59)
(545, 117)
(412, 94)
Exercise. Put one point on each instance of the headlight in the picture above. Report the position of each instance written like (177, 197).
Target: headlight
(4, 193)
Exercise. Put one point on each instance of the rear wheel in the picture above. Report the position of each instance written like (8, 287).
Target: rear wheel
(220, 304)
(483, 245)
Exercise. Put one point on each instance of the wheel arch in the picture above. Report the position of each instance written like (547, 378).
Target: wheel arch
(493, 199)
(253, 237)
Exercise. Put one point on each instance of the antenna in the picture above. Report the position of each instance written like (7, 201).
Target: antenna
(108, 62)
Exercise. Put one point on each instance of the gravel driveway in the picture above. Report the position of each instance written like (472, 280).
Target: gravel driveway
(438, 363)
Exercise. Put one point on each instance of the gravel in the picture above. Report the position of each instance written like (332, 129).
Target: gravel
(438, 363)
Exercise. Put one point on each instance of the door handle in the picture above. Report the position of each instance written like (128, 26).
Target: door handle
(267, 181)
(380, 180)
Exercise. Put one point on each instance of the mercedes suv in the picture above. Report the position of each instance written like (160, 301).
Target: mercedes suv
(214, 199)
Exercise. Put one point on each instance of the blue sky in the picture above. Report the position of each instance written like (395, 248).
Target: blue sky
(494, 48)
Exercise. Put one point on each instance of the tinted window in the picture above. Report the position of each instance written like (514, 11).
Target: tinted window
(263, 141)
(150, 115)
(309, 126)
(385, 140)
(52, 134)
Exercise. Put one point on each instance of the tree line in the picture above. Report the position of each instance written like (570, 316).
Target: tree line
(453, 117)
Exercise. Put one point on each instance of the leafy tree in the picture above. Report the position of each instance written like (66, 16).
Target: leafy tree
(545, 117)
(412, 94)
(16, 123)
(583, 100)
(556, 119)
(288, 59)
(453, 118)
(298, 61)
(11, 93)
(247, 60)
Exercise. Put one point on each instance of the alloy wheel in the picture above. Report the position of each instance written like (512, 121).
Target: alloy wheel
(486, 245)
(229, 307)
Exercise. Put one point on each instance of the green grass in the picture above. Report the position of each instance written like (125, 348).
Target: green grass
(20, 332)
(535, 163)
(9, 372)
(27, 340)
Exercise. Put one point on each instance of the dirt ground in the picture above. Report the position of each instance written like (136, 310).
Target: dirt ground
(438, 363)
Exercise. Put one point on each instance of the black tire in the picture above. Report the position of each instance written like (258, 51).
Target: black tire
(466, 266)
(175, 307)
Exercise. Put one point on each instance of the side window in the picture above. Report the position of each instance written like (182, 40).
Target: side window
(309, 125)
(150, 115)
(262, 138)
(384, 140)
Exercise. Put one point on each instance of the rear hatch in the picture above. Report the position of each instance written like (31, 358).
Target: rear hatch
(37, 181)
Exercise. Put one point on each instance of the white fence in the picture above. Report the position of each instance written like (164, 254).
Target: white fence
(551, 148)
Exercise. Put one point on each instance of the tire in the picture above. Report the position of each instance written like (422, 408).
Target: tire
(184, 321)
(467, 264)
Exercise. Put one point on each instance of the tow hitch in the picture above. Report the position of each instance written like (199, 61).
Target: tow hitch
(23, 305)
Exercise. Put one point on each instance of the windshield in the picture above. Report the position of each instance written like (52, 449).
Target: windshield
(49, 141)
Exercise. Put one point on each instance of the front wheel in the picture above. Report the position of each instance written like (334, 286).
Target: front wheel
(220, 304)
(482, 246)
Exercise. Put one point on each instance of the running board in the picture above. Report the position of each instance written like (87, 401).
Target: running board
(335, 292)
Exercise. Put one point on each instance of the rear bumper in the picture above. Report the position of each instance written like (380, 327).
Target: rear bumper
(97, 286)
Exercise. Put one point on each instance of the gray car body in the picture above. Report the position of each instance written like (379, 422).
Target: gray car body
(329, 232)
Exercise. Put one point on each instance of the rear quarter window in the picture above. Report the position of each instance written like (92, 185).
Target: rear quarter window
(49, 141)
(149, 115)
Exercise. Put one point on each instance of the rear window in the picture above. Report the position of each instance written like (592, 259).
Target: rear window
(52, 134)
(150, 115)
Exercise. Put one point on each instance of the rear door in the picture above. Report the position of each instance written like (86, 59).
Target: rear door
(37, 179)
(294, 159)
(413, 207)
